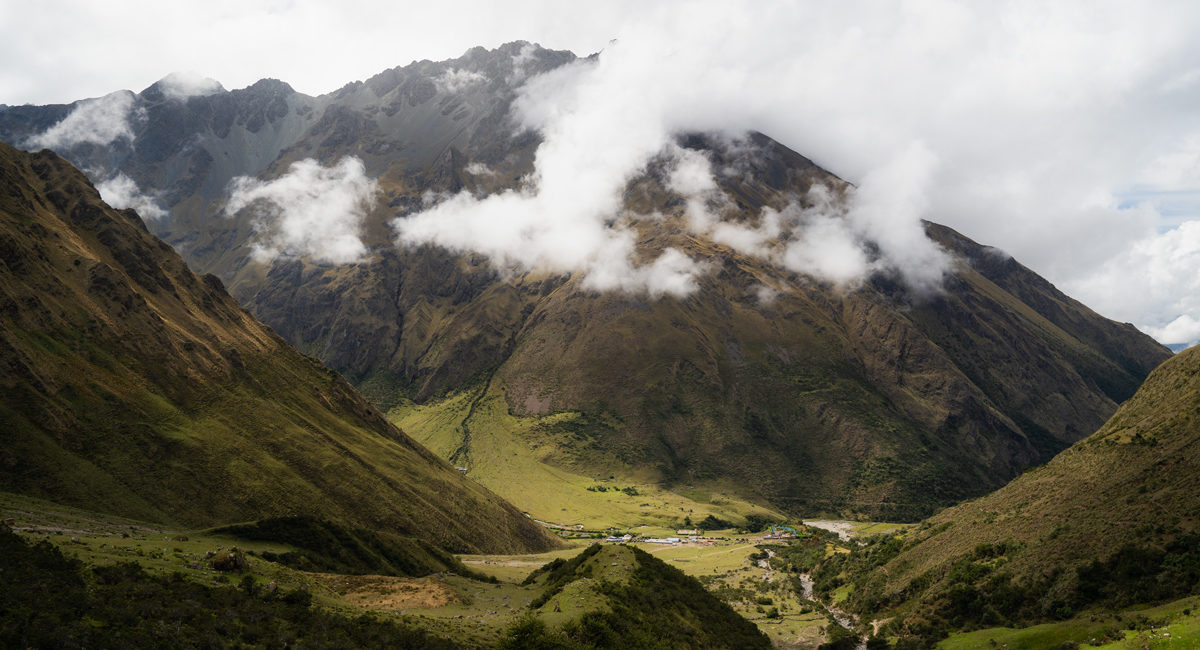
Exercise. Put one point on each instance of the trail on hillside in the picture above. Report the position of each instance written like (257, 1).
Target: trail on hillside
(462, 455)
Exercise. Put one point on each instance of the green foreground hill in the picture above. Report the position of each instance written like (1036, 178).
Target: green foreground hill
(1111, 522)
(623, 597)
(134, 387)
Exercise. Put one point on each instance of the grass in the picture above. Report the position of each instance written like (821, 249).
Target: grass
(1173, 625)
(481, 613)
(516, 458)
(867, 528)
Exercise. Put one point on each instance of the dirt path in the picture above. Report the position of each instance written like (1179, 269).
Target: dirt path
(387, 592)
(727, 550)
(532, 563)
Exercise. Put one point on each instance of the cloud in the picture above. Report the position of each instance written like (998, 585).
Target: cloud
(98, 121)
(122, 192)
(1155, 284)
(181, 85)
(1063, 132)
(876, 227)
(567, 216)
(311, 211)
(603, 122)
(479, 169)
(522, 59)
(456, 80)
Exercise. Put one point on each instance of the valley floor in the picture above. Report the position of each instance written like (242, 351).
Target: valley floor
(751, 573)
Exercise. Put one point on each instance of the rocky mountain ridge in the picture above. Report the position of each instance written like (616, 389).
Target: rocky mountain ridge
(868, 400)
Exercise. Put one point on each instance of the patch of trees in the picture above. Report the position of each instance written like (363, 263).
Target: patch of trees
(1142, 575)
(50, 600)
(976, 591)
(802, 555)
(757, 523)
(714, 523)
(630, 490)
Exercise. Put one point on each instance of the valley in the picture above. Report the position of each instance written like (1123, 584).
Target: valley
(468, 610)
(430, 360)
(764, 580)
(764, 381)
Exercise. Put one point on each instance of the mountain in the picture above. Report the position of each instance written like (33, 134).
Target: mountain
(1111, 521)
(869, 401)
(133, 386)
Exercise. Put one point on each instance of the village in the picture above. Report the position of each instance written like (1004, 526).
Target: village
(694, 536)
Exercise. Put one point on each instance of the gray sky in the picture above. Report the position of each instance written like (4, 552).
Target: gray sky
(1065, 133)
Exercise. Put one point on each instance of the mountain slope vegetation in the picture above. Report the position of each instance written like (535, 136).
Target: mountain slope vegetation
(133, 386)
(1113, 521)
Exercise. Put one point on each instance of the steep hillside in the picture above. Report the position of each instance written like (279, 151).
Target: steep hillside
(1112, 521)
(135, 387)
(868, 400)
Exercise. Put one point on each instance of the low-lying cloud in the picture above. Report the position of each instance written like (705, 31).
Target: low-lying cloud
(603, 122)
(842, 240)
(1064, 134)
(311, 211)
(182, 85)
(122, 192)
(457, 80)
(98, 121)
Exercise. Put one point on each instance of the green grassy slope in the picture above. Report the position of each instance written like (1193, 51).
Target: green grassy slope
(1112, 521)
(524, 460)
(133, 386)
(53, 600)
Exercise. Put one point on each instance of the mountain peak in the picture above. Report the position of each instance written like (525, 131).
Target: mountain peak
(181, 85)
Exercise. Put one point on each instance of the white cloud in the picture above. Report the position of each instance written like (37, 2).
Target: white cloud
(476, 168)
(520, 61)
(564, 219)
(1155, 284)
(99, 121)
(311, 211)
(603, 122)
(456, 80)
(1184, 329)
(181, 85)
(122, 192)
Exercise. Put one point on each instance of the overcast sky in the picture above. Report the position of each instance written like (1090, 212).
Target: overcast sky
(1065, 133)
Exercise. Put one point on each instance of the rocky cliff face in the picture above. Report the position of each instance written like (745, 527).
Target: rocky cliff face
(871, 400)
